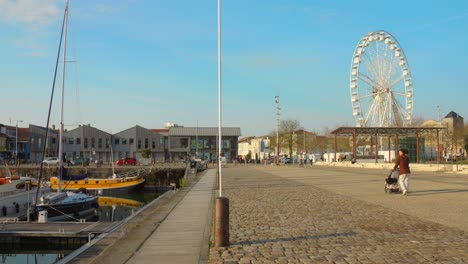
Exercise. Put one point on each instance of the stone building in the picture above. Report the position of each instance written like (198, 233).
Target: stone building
(453, 138)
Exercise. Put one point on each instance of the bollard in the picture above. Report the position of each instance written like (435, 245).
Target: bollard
(221, 226)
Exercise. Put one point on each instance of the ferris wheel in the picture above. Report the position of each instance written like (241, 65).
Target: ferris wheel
(381, 86)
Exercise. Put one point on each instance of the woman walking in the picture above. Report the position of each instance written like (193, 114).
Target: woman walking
(402, 163)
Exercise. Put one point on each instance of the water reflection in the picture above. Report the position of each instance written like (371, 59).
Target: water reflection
(110, 209)
(30, 258)
(113, 209)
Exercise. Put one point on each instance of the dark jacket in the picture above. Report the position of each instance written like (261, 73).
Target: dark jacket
(403, 163)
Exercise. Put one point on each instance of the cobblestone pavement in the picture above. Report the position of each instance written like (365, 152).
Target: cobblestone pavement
(276, 220)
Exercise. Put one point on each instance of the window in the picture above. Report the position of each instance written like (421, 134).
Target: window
(124, 141)
(130, 141)
(153, 145)
(85, 143)
(32, 142)
(100, 143)
(139, 143)
(117, 141)
(107, 143)
(184, 142)
(53, 140)
(78, 141)
(71, 141)
(146, 143)
(39, 142)
(93, 141)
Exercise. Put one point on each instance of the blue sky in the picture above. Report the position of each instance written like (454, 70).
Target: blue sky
(151, 62)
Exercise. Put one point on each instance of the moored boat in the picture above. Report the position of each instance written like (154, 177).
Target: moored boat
(17, 194)
(60, 205)
(99, 186)
(63, 206)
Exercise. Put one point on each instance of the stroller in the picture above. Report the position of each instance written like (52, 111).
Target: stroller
(391, 182)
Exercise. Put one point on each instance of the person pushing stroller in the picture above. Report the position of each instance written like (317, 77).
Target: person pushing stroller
(402, 162)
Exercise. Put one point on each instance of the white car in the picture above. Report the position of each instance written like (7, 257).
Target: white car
(51, 161)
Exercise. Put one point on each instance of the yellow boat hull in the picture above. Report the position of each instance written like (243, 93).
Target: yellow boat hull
(100, 186)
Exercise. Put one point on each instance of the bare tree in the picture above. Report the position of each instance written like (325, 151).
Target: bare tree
(287, 131)
(417, 121)
(465, 138)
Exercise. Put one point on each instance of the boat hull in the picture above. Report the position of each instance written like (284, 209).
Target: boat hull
(15, 204)
(107, 187)
(69, 211)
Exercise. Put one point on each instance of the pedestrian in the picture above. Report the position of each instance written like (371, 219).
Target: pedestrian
(402, 163)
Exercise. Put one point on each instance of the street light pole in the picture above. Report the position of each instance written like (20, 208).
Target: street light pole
(277, 129)
(221, 225)
(16, 143)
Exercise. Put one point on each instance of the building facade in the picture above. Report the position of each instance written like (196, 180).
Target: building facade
(202, 142)
(37, 141)
(258, 147)
(130, 142)
(89, 142)
(169, 144)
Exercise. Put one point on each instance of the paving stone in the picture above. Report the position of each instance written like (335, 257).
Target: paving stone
(285, 222)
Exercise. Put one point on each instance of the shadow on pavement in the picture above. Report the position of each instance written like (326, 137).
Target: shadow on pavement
(279, 240)
(431, 192)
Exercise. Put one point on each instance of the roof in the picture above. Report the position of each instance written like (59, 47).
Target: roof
(452, 114)
(387, 131)
(246, 139)
(204, 131)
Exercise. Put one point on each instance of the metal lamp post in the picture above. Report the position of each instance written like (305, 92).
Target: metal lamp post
(16, 143)
(221, 232)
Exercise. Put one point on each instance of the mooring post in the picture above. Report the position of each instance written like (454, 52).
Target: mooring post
(221, 232)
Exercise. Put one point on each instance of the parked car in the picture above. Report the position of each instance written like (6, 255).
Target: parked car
(286, 160)
(79, 161)
(126, 161)
(51, 161)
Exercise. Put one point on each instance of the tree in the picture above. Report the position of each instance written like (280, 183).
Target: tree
(287, 130)
(50, 152)
(417, 120)
(465, 137)
(248, 156)
(145, 153)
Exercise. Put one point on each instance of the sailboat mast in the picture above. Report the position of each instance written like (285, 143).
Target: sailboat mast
(59, 188)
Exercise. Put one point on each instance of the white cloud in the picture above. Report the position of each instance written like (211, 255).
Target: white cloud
(29, 12)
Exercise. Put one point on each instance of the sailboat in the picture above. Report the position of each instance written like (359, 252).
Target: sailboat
(123, 183)
(62, 205)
